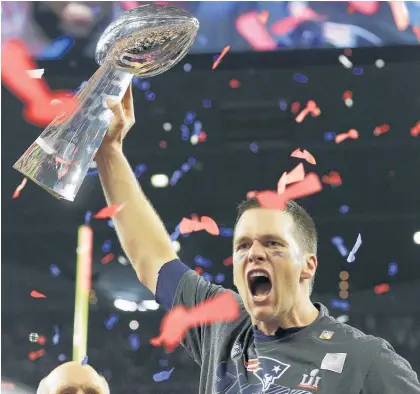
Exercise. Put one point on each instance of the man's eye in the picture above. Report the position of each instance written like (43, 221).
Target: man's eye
(273, 244)
(241, 246)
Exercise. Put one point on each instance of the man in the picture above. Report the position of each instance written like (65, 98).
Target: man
(282, 342)
(73, 378)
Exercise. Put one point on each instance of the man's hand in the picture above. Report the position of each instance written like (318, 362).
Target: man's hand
(122, 122)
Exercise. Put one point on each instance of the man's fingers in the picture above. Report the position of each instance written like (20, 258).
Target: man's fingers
(128, 105)
(117, 109)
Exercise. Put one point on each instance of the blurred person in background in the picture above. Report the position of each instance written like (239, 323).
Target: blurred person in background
(281, 341)
(73, 378)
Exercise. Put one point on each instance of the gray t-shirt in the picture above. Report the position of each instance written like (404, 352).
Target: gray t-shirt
(325, 357)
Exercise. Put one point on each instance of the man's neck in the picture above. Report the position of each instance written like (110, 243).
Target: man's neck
(301, 315)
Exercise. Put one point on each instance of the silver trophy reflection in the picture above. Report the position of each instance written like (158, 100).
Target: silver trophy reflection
(145, 41)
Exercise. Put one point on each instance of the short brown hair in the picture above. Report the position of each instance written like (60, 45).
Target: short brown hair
(304, 224)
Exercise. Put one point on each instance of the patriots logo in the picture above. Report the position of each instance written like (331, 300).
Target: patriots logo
(258, 377)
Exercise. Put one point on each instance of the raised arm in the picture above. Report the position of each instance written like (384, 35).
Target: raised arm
(141, 232)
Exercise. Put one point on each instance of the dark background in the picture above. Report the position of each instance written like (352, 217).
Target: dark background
(380, 186)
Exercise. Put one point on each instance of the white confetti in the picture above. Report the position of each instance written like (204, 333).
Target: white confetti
(351, 257)
(36, 73)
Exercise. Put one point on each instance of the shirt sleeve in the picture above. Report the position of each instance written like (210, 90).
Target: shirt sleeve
(180, 285)
(390, 373)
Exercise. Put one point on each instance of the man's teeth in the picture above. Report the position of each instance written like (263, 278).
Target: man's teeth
(258, 273)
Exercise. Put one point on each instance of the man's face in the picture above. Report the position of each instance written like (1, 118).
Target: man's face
(269, 267)
(73, 378)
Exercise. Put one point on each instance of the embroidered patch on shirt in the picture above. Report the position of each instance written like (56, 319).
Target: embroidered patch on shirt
(326, 334)
(334, 362)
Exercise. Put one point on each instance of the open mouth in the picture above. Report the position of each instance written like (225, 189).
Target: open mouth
(259, 285)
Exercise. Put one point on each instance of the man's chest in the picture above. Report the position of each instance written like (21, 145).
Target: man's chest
(282, 370)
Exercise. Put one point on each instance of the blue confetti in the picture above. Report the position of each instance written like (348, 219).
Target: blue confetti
(254, 147)
(111, 223)
(358, 71)
(300, 78)
(187, 67)
(392, 269)
(344, 209)
(150, 96)
(55, 271)
(82, 85)
(282, 105)
(175, 177)
(163, 363)
(207, 276)
(57, 49)
(198, 126)
(140, 169)
(111, 321)
(329, 136)
(134, 341)
(185, 167)
(185, 132)
(220, 278)
(340, 304)
(206, 103)
(92, 173)
(56, 336)
(339, 243)
(202, 261)
(161, 376)
(85, 360)
(62, 357)
(88, 217)
(226, 232)
(142, 84)
(106, 247)
(192, 161)
(189, 117)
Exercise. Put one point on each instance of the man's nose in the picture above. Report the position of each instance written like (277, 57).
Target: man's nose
(257, 253)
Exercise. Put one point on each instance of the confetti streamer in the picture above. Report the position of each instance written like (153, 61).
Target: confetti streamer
(303, 155)
(380, 130)
(381, 289)
(206, 223)
(352, 255)
(56, 336)
(161, 376)
(37, 294)
(296, 175)
(219, 59)
(85, 360)
(41, 105)
(271, 200)
(35, 355)
(333, 179)
(108, 212)
(179, 320)
(36, 73)
(352, 134)
(311, 108)
(16, 194)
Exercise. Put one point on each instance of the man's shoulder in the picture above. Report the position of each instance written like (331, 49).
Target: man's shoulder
(353, 336)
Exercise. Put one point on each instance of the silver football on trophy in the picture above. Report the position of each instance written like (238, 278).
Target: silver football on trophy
(145, 41)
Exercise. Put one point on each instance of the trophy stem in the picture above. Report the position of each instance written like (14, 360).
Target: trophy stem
(60, 157)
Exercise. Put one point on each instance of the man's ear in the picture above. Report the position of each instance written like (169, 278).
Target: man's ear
(309, 267)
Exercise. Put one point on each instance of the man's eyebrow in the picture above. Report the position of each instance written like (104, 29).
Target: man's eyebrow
(244, 238)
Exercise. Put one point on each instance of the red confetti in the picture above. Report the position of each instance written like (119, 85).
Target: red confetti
(365, 7)
(16, 194)
(296, 175)
(41, 105)
(107, 258)
(347, 95)
(42, 340)
(332, 179)
(163, 144)
(295, 107)
(311, 108)
(352, 133)
(380, 130)
(303, 155)
(415, 130)
(381, 289)
(37, 294)
(202, 137)
(188, 226)
(219, 59)
(199, 270)
(176, 323)
(35, 355)
(234, 84)
(228, 261)
(271, 200)
(108, 212)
